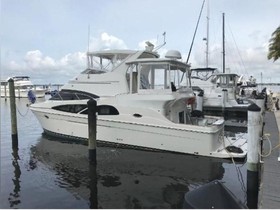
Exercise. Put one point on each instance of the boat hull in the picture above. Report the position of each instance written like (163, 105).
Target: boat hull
(166, 138)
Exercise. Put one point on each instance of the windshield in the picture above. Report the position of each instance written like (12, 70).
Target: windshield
(160, 76)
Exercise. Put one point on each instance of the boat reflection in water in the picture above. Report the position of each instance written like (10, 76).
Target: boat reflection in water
(128, 178)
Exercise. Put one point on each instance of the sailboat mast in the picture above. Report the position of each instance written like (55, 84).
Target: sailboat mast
(207, 39)
(223, 42)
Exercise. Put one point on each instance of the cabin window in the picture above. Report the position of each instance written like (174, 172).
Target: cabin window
(72, 108)
(72, 95)
(104, 110)
(231, 80)
(226, 81)
(131, 77)
(154, 76)
(160, 76)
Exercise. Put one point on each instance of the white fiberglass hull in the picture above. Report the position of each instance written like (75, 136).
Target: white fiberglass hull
(176, 138)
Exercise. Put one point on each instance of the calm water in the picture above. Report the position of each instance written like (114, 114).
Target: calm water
(45, 173)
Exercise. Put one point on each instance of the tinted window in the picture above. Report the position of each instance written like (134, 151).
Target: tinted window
(72, 108)
(72, 95)
(104, 110)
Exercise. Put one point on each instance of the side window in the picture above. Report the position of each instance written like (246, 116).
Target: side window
(72, 108)
(131, 77)
(154, 76)
(231, 81)
(104, 110)
(107, 110)
(145, 77)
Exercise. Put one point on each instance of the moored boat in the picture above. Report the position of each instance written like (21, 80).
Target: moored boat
(141, 102)
(22, 85)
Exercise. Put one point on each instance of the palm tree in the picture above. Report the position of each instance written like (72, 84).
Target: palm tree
(274, 45)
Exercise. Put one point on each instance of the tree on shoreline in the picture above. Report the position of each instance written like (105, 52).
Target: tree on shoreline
(274, 45)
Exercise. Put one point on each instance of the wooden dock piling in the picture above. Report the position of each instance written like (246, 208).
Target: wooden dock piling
(5, 91)
(260, 103)
(13, 114)
(254, 130)
(199, 101)
(92, 109)
(93, 198)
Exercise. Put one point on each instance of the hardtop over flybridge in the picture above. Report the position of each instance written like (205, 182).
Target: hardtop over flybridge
(142, 102)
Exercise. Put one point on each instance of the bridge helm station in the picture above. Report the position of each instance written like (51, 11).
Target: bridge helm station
(158, 74)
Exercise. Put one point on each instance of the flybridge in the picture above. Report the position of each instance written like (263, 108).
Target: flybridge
(105, 61)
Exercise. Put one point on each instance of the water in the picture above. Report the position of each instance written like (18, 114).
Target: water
(46, 173)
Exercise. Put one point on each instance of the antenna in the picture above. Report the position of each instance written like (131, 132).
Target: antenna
(88, 57)
(193, 40)
(88, 35)
(164, 42)
(224, 43)
(207, 39)
(195, 31)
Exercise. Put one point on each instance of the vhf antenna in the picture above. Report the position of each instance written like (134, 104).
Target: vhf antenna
(164, 42)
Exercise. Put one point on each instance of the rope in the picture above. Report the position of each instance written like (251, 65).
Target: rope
(23, 115)
(265, 137)
(237, 168)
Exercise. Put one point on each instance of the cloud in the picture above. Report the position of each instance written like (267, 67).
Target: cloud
(35, 60)
(43, 68)
(46, 69)
(106, 42)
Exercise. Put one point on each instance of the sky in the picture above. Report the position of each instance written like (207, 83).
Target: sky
(48, 39)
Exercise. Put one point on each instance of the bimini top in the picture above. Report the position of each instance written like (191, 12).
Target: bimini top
(225, 74)
(112, 54)
(106, 61)
(16, 78)
(204, 69)
(182, 66)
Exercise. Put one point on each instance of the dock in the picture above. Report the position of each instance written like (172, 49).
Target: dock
(269, 192)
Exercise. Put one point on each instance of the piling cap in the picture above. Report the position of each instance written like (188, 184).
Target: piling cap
(10, 80)
(254, 108)
(91, 102)
(224, 90)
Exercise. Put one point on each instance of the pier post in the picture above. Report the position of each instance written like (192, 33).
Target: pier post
(224, 102)
(199, 101)
(13, 114)
(92, 109)
(18, 88)
(5, 91)
(93, 199)
(92, 124)
(224, 97)
(260, 103)
(254, 129)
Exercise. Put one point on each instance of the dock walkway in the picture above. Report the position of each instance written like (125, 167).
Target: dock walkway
(269, 194)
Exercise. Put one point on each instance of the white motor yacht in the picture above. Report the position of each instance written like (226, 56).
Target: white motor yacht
(22, 85)
(141, 102)
(220, 93)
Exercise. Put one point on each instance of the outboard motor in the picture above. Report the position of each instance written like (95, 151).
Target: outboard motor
(31, 96)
